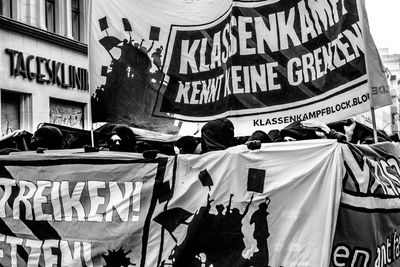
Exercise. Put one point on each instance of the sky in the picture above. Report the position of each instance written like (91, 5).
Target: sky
(384, 22)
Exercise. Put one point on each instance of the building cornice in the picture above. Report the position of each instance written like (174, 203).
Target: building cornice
(27, 30)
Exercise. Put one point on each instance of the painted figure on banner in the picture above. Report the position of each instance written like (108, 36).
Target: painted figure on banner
(132, 81)
(261, 234)
(218, 240)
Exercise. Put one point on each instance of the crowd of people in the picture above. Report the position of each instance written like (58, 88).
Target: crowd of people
(216, 135)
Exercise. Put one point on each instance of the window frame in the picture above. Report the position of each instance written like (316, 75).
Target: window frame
(76, 11)
(25, 108)
(53, 2)
(9, 4)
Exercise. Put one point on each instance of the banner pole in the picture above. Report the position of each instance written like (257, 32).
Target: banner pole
(89, 30)
(361, 4)
(374, 124)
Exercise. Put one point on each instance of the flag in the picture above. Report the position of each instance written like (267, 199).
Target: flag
(127, 25)
(378, 83)
(109, 42)
(255, 180)
(205, 178)
(103, 24)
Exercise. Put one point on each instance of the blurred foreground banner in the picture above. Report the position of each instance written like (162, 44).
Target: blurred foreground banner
(264, 64)
(368, 232)
(115, 209)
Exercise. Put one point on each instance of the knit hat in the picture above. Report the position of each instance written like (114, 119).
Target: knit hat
(47, 136)
(127, 136)
(217, 135)
(275, 135)
(187, 144)
(299, 132)
(260, 135)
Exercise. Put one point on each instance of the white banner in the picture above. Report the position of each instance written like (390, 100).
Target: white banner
(276, 206)
(264, 64)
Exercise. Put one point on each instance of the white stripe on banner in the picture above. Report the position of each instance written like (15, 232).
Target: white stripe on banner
(370, 202)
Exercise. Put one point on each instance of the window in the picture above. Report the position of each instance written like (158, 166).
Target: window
(16, 112)
(76, 24)
(10, 112)
(66, 113)
(6, 8)
(50, 15)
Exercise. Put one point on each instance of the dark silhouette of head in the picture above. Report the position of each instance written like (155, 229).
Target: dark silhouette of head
(298, 132)
(122, 138)
(220, 208)
(275, 135)
(235, 211)
(187, 144)
(261, 136)
(47, 136)
(217, 135)
(263, 206)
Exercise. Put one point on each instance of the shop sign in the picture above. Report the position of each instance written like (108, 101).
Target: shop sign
(47, 71)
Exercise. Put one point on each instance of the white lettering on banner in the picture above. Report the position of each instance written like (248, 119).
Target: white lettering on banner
(388, 252)
(312, 114)
(92, 201)
(343, 256)
(70, 253)
(281, 26)
(317, 63)
(263, 77)
(382, 173)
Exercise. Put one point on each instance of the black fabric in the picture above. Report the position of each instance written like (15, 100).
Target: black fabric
(47, 136)
(275, 135)
(261, 136)
(7, 151)
(299, 132)
(217, 135)
(362, 133)
(333, 134)
(73, 137)
(19, 141)
(187, 144)
(128, 139)
(395, 137)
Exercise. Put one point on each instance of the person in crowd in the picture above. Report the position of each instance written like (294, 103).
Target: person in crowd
(310, 129)
(255, 140)
(217, 135)
(48, 137)
(187, 144)
(358, 133)
(275, 135)
(122, 138)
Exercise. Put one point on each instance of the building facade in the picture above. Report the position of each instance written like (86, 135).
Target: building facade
(44, 64)
(391, 63)
(387, 118)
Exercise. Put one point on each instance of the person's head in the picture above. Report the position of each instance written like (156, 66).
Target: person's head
(275, 135)
(122, 138)
(220, 208)
(295, 131)
(261, 136)
(187, 144)
(217, 135)
(349, 128)
(47, 136)
(235, 211)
